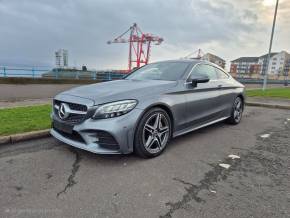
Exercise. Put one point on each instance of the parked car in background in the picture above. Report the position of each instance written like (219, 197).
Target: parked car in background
(147, 108)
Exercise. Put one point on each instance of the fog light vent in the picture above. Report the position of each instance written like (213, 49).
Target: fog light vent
(106, 140)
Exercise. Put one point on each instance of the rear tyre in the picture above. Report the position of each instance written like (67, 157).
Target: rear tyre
(153, 133)
(237, 111)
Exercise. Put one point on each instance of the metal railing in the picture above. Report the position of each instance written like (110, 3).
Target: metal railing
(22, 72)
(33, 72)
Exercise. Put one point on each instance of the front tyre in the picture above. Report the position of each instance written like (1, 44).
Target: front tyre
(237, 111)
(153, 133)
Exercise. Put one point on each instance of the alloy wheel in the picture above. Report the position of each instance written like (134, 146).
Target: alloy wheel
(156, 132)
(238, 110)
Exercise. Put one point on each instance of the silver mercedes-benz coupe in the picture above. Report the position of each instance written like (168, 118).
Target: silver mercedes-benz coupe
(147, 108)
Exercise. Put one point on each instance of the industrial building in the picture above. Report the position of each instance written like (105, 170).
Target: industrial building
(214, 59)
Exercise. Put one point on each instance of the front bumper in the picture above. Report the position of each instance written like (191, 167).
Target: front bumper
(120, 128)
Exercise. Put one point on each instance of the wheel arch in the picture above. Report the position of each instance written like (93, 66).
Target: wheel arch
(156, 105)
(243, 98)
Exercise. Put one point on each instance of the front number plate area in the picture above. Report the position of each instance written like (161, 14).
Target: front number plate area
(64, 127)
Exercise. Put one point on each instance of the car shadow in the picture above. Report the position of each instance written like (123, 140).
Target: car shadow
(192, 135)
(131, 158)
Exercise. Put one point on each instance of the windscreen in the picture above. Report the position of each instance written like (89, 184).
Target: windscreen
(170, 71)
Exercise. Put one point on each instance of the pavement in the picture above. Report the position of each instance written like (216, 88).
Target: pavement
(25, 102)
(46, 178)
(269, 101)
(259, 86)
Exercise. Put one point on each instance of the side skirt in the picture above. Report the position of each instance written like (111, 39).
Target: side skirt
(179, 133)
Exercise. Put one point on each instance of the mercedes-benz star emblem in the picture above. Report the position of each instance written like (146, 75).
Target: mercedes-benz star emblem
(63, 111)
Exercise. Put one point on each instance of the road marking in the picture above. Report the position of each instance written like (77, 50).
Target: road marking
(265, 136)
(226, 166)
(233, 156)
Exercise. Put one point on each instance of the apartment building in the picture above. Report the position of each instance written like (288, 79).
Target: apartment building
(278, 63)
(287, 68)
(258, 65)
(263, 62)
(245, 65)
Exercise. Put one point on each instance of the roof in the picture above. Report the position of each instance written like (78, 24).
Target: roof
(190, 60)
(265, 55)
(187, 60)
(246, 59)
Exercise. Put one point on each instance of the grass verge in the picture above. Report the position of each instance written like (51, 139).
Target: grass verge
(24, 119)
(270, 93)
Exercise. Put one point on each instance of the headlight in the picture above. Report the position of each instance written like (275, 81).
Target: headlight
(114, 109)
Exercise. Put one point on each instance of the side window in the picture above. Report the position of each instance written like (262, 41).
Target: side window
(204, 70)
(221, 74)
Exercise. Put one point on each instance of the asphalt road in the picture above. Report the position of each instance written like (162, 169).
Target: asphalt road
(12, 93)
(45, 178)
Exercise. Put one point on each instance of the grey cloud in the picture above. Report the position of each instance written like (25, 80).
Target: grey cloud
(32, 30)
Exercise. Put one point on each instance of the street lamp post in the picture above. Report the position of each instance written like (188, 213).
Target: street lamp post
(270, 48)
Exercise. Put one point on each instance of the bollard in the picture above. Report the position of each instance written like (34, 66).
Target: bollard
(33, 73)
(94, 75)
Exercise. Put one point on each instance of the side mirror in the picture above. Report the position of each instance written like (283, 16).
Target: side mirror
(196, 80)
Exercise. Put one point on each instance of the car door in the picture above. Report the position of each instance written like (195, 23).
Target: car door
(226, 96)
(202, 101)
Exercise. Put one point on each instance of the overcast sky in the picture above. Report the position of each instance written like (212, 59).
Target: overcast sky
(31, 30)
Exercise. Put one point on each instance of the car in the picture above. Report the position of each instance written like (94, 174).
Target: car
(143, 111)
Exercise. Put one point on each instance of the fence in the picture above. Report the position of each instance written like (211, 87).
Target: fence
(22, 72)
(60, 73)
(94, 75)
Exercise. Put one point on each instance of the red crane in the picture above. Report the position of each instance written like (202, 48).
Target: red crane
(139, 45)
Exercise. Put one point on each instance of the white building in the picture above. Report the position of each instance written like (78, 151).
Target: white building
(61, 58)
(278, 63)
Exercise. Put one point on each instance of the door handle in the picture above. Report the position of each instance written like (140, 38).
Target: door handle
(220, 86)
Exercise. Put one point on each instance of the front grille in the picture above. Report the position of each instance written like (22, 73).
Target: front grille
(73, 106)
(106, 140)
(78, 115)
